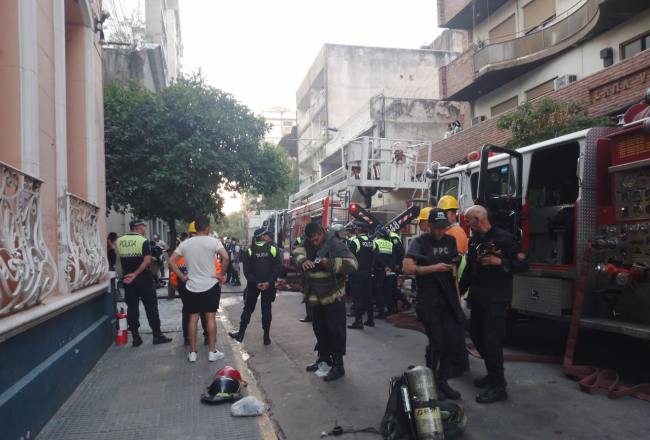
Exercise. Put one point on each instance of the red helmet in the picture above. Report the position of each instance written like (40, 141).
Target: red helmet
(231, 373)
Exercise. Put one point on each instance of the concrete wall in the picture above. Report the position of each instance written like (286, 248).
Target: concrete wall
(144, 65)
(582, 61)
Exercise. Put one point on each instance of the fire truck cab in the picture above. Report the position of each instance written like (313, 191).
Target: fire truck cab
(580, 204)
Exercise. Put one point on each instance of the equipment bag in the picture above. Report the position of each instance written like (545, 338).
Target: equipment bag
(395, 425)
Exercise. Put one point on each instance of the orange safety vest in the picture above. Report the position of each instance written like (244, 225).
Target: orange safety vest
(180, 262)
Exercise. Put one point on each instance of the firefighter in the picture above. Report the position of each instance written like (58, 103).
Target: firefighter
(325, 261)
(262, 265)
(384, 263)
(423, 219)
(360, 282)
(449, 205)
(431, 258)
(135, 257)
(491, 260)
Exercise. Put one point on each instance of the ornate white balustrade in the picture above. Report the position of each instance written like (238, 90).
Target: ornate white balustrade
(85, 262)
(27, 270)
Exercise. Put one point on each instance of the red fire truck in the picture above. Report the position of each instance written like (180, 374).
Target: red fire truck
(581, 205)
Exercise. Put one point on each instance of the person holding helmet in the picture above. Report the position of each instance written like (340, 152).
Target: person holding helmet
(431, 257)
(262, 266)
(449, 205)
(360, 281)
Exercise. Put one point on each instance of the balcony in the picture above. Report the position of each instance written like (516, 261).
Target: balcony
(484, 68)
(457, 14)
(28, 271)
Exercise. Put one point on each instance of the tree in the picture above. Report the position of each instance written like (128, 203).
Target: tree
(290, 184)
(168, 152)
(547, 119)
(234, 224)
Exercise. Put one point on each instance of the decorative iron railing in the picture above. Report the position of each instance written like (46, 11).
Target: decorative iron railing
(85, 261)
(28, 271)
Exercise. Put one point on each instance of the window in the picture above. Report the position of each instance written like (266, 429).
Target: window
(504, 106)
(634, 46)
(448, 187)
(540, 90)
(538, 12)
(504, 31)
(559, 187)
(500, 182)
(287, 123)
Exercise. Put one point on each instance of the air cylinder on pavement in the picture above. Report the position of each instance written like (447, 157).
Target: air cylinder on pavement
(428, 421)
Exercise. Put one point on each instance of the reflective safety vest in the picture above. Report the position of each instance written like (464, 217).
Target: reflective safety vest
(384, 246)
(262, 261)
(180, 262)
(363, 249)
(130, 245)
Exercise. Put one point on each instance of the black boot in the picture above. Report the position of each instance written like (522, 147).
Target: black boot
(137, 340)
(313, 367)
(237, 336)
(370, 322)
(267, 337)
(492, 394)
(482, 382)
(337, 370)
(357, 324)
(160, 339)
(449, 392)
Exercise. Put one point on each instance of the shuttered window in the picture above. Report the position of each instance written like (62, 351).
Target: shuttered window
(504, 106)
(537, 12)
(540, 90)
(504, 31)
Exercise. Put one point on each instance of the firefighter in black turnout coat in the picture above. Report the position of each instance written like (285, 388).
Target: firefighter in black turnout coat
(432, 258)
(492, 258)
(262, 265)
(360, 281)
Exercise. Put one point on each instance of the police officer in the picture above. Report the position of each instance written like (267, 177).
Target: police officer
(262, 265)
(431, 258)
(491, 261)
(135, 257)
(384, 263)
(393, 275)
(360, 282)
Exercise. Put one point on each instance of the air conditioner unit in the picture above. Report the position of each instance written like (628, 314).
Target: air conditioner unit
(564, 80)
(478, 119)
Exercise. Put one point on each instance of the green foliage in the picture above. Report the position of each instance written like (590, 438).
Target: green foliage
(167, 153)
(234, 224)
(287, 173)
(547, 119)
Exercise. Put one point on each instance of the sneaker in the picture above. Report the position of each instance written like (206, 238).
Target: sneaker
(191, 357)
(215, 356)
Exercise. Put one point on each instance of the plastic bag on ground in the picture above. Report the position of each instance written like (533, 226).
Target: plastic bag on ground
(247, 407)
(323, 369)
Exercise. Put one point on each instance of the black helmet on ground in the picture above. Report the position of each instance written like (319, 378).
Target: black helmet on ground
(222, 389)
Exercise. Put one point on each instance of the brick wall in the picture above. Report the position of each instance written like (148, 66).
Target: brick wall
(605, 92)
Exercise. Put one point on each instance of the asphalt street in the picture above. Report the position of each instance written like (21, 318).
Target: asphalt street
(543, 403)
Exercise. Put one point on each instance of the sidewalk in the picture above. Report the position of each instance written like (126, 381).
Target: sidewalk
(152, 392)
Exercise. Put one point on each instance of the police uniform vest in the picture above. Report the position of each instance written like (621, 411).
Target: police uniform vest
(263, 258)
(385, 250)
(362, 247)
(132, 249)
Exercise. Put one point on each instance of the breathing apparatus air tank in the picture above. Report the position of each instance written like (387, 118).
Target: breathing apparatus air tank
(424, 401)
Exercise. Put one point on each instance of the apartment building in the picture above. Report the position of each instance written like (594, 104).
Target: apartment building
(341, 82)
(520, 50)
(282, 120)
(55, 309)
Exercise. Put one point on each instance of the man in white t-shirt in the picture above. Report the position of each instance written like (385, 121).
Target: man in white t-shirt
(203, 291)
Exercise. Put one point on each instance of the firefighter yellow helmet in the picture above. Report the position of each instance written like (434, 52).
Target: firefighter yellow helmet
(191, 229)
(424, 214)
(447, 202)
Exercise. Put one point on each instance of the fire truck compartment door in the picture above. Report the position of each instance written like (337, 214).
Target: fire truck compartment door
(546, 296)
(504, 208)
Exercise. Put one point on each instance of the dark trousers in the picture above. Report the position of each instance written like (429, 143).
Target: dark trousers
(487, 330)
(361, 290)
(392, 293)
(330, 329)
(141, 289)
(308, 314)
(441, 328)
(252, 292)
(379, 289)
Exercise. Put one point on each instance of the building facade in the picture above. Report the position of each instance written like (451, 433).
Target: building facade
(521, 50)
(281, 120)
(341, 82)
(163, 28)
(55, 310)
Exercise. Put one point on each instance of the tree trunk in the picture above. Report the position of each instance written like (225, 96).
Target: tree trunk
(171, 290)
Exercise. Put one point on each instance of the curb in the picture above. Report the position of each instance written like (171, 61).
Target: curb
(264, 422)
